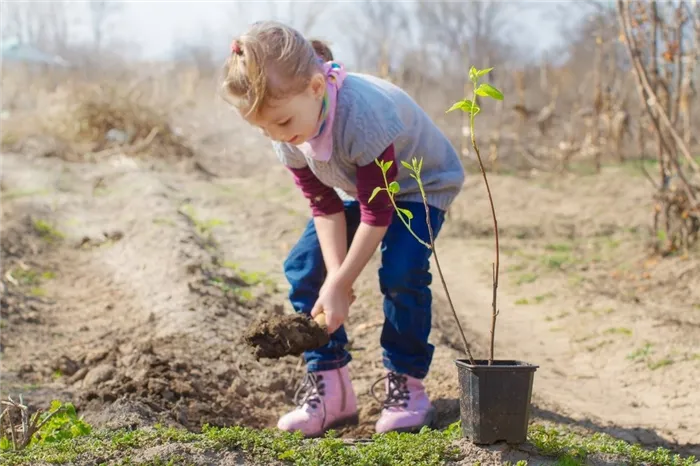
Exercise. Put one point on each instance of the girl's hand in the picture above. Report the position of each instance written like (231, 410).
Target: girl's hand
(351, 292)
(334, 301)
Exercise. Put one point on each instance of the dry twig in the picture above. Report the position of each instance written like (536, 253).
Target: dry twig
(29, 425)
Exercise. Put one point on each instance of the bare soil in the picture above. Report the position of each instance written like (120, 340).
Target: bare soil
(129, 286)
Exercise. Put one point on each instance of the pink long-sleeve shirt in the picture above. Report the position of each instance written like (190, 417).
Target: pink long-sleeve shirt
(325, 201)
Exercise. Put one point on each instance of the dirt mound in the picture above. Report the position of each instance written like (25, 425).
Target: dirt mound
(279, 336)
(191, 392)
(217, 386)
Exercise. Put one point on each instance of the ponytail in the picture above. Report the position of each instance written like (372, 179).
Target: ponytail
(322, 50)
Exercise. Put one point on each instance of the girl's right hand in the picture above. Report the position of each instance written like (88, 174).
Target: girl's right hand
(351, 296)
(334, 302)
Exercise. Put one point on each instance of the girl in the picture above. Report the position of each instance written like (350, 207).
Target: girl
(328, 128)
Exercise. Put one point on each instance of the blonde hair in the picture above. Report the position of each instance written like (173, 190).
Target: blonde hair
(270, 61)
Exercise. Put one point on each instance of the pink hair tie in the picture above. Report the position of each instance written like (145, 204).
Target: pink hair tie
(236, 47)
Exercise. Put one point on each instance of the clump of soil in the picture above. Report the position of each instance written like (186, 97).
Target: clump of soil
(278, 336)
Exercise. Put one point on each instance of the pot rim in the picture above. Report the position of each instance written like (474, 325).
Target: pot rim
(498, 365)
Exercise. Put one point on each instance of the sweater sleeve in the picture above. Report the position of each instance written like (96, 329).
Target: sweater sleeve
(380, 211)
(323, 199)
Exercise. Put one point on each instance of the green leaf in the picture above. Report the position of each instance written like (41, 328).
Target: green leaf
(487, 90)
(5, 444)
(70, 409)
(407, 213)
(463, 105)
(420, 164)
(394, 187)
(386, 165)
(473, 74)
(376, 191)
(80, 428)
(406, 164)
(481, 73)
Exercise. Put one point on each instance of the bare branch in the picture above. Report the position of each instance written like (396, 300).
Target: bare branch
(652, 101)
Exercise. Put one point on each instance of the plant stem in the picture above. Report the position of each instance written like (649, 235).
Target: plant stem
(494, 313)
(398, 212)
(442, 277)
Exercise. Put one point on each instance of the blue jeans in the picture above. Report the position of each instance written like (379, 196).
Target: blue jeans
(404, 280)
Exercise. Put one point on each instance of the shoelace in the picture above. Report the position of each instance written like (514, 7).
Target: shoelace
(397, 395)
(310, 388)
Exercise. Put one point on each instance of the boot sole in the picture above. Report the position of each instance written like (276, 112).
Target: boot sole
(342, 422)
(427, 421)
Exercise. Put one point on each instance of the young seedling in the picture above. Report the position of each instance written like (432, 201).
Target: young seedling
(393, 188)
(406, 216)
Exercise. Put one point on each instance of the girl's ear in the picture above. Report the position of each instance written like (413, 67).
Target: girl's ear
(318, 85)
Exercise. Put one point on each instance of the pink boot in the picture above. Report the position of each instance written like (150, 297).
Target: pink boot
(327, 401)
(406, 407)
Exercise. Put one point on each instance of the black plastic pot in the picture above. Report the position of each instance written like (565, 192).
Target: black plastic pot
(494, 401)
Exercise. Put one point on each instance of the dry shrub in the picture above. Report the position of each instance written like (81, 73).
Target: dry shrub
(676, 221)
(110, 116)
(92, 120)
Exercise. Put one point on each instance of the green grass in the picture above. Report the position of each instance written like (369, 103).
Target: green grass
(164, 221)
(20, 193)
(644, 354)
(559, 247)
(31, 279)
(558, 260)
(537, 299)
(203, 227)
(641, 353)
(427, 448)
(252, 278)
(47, 231)
(573, 449)
(618, 331)
(663, 362)
(249, 279)
(526, 278)
(596, 312)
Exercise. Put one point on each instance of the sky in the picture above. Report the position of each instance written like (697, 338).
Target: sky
(157, 25)
(155, 28)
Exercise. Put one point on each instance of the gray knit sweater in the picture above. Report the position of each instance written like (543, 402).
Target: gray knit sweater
(372, 113)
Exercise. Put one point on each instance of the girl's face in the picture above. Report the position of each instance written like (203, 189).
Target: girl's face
(294, 119)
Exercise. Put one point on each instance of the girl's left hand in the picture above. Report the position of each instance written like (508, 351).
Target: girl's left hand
(334, 301)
